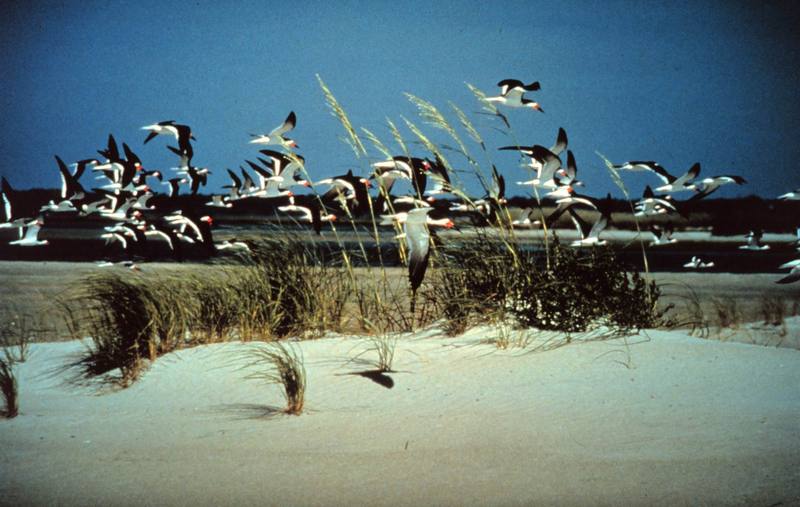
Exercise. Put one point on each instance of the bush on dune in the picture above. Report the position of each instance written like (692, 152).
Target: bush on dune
(576, 291)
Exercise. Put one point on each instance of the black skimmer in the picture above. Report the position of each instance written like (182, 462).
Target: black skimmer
(662, 235)
(264, 175)
(441, 180)
(697, 263)
(288, 167)
(642, 166)
(235, 189)
(174, 186)
(219, 201)
(708, 186)
(183, 133)
(681, 183)
(569, 174)
(346, 189)
(566, 195)
(790, 196)
(12, 218)
(249, 186)
(512, 94)
(402, 167)
(70, 188)
(543, 161)
(309, 212)
(417, 239)
(197, 177)
(276, 136)
(793, 276)
(31, 237)
(81, 165)
(115, 237)
(649, 204)
(593, 236)
(753, 239)
(489, 206)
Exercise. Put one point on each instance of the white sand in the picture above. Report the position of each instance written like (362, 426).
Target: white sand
(681, 421)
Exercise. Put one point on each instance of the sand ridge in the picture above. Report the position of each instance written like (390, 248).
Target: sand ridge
(669, 420)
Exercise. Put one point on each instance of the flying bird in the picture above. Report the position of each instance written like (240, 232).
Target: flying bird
(512, 94)
(276, 136)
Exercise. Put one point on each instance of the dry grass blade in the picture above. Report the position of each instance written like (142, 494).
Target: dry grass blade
(434, 118)
(282, 364)
(398, 138)
(429, 145)
(338, 112)
(468, 126)
(377, 143)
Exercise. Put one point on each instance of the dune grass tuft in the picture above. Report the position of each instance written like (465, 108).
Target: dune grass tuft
(280, 363)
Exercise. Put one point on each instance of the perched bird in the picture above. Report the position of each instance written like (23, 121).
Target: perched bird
(276, 136)
(512, 94)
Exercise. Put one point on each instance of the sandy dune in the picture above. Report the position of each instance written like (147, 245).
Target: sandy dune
(673, 420)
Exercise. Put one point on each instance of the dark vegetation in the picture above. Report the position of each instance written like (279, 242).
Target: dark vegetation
(562, 289)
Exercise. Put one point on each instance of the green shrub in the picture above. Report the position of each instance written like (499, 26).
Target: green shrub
(576, 290)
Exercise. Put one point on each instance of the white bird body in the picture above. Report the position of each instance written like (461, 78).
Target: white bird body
(754, 242)
(512, 93)
(276, 135)
(61, 207)
(219, 201)
(696, 263)
(31, 237)
(680, 183)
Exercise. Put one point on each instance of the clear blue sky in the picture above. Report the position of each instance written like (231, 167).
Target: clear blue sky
(677, 82)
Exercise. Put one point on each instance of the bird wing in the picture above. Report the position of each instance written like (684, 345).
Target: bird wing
(286, 126)
(793, 276)
(561, 142)
(418, 243)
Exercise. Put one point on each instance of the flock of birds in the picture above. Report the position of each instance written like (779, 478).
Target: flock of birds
(122, 198)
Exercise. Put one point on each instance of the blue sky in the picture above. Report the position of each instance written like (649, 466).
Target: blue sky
(676, 82)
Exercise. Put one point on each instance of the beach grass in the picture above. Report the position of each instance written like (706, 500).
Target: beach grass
(280, 363)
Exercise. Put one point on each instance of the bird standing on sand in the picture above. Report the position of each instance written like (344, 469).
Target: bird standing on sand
(276, 136)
